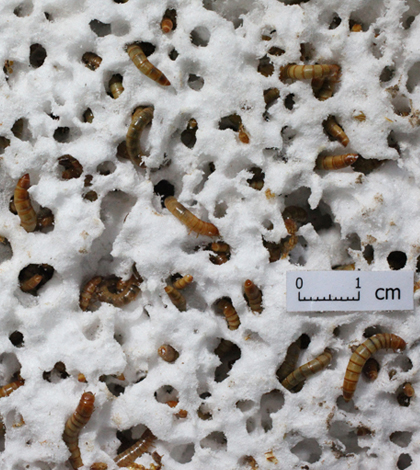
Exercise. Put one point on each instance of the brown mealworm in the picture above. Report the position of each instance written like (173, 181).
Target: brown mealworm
(22, 201)
(371, 368)
(91, 60)
(335, 130)
(303, 72)
(99, 466)
(31, 283)
(6, 390)
(116, 86)
(142, 63)
(73, 168)
(190, 220)
(243, 134)
(88, 116)
(128, 457)
(168, 353)
(336, 162)
(310, 368)
(362, 354)
(271, 95)
(176, 298)
(129, 292)
(141, 118)
(88, 292)
(166, 25)
(74, 425)
(220, 247)
(230, 313)
(253, 295)
(290, 361)
(183, 282)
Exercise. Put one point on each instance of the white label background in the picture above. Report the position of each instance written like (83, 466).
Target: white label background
(379, 290)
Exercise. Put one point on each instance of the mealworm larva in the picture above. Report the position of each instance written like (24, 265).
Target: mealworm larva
(220, 247)
(142, 63)
(308, 369)
(296, 213)
(166, 25)
(408, 390)
(230, 313)
(81, 378)
(91, 60)
(290, 361)
(6, 390)
(253, 295)
(362, 354)
(88, 116)
(168, 353)
(406, 394)
(45, 218)
(303, 72)
(140, 119)
(73, 168)
(23, 205)
(271, 95)
(88, 292)
(74, 425)
(31, 283)
(183, 282)
(129, 292)
(257, 180)
(323, 88)
(288, 245)
(345, 267)
(8, 67)
(219, 259)
(335, 162)
(176, 298)
(243, 134)
(116, 86)
(371, 368)
(99, 466)
(190, 220)
(126, 458)
(335, 130)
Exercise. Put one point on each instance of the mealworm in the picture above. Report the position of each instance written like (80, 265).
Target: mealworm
(303, 72)
(223, 348)
(362, 354)
(335, 130)
(142, 63)
(257, 180)
(290, 361)
(88, 291)
(126, 458)
(220, 247)
(91, 60)
(243, 134)
(23, 204)
(230, 313)
(168, 353)
(166, 25)
(270, 96)
(8, 67)
(345, 267)
(183, 282)
(308, 369)
(371, 368)
(31, 283)
(356, 28)
(323, 88)
(190, 220)
(45, 218)
(81, 378)
(172, 403)
(99, 466)
(140, 119)
(406, 394)
(176, 298)
(88, 116)
(116, 86)
(129, 292)
(74, 425)
(6, 390)
(288, 245)
(296, 213)
(73, 168)
(335, 162)
(219, 259)
(253, 295)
